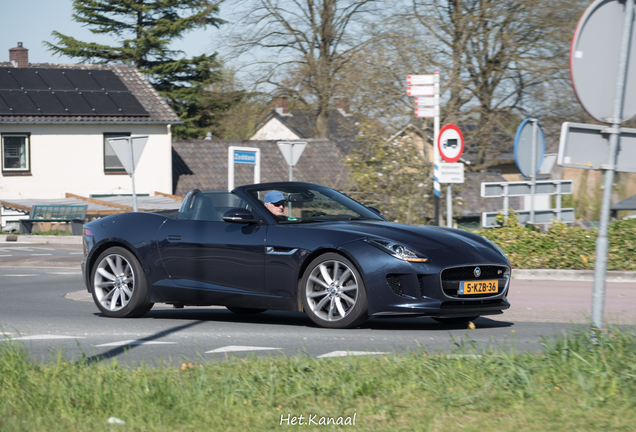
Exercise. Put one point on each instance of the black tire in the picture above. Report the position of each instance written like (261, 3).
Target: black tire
(456, 320)
(244, 311)
(340, 301)
(118, 275)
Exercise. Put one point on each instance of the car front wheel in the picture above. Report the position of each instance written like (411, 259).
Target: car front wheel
(333, 293)
(118, 285)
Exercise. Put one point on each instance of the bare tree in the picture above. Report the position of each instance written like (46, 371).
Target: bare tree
(494, 54)
(303, 46)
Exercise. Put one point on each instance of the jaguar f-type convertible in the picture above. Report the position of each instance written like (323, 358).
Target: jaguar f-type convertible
(294, 247)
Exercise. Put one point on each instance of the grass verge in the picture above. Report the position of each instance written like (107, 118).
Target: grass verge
(574, 384)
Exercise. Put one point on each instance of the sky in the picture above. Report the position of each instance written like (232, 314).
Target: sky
(32, 21)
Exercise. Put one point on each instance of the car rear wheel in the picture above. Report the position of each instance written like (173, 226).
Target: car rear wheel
(333, 293)
(118, 285)
(244, 311)
(456, 320)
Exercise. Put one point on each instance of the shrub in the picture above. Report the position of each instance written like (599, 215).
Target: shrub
(563, 247)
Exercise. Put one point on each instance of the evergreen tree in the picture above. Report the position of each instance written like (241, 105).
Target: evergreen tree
(144, 30)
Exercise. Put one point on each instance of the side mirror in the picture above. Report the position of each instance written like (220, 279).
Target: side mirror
(239, 215)
(375, 210)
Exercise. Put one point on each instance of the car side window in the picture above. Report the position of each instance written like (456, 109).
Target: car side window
(210, 205)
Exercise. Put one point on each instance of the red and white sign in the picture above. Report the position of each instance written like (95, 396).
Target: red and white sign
(428, 101)
(420, 79)
(450, 143)
(420, 90)
(425, 112)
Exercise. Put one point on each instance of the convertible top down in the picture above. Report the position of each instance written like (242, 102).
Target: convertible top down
(326, 255)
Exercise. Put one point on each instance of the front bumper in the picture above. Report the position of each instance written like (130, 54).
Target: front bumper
(400, 288)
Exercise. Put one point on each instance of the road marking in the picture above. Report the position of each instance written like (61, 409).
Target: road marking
(40, 254)
(44, 337)
(65, 273)
(349, 353)
(20, 275)
(134, 342)
(39, 248)
(237, 348)
(76, 253)
(5, 255)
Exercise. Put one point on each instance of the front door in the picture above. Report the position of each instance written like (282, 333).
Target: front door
(214, 256)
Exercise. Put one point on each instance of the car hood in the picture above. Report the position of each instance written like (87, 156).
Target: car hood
(423, 238)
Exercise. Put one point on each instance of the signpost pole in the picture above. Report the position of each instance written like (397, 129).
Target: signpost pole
(436, 157)
(533, 166)
(449, 206)
(132, 174)
(291, 167)
(600, 267)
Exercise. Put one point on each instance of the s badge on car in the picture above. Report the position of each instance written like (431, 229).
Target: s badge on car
(477, 272)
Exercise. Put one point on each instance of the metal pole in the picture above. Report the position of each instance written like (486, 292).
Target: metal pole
(600, 267)
(132, 174)
(533, 167)
(230, 168)
(505, 202)
(291, 158)
(436, 158)
(449, 206)
(558, 200)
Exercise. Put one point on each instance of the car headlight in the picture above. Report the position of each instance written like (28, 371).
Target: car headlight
(493, 244)
(399, 251)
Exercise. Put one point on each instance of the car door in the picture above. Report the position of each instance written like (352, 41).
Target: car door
(200, 251)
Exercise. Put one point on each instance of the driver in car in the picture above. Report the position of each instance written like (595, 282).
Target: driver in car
(275, 203)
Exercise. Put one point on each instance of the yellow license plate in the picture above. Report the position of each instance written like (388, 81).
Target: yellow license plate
(479, 287)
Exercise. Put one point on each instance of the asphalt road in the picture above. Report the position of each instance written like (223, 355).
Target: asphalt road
(49, 310)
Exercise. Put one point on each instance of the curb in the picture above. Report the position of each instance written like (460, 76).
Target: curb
(41, 239)
(572, 275)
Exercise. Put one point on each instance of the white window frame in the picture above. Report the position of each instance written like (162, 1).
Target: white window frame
(27, 148)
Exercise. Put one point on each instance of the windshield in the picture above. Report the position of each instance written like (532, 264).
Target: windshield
(313, 203)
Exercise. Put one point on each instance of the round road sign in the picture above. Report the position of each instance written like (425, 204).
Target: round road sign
(450, 143)
(523, 148)
(594, 59)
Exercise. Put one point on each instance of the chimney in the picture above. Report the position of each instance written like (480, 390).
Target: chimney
(279, 104)
(342, 105)
(19, 56)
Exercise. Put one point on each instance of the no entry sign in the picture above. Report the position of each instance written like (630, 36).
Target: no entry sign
(450, 143)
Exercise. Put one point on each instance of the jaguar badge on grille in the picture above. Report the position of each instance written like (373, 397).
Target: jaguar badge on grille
(477, 272)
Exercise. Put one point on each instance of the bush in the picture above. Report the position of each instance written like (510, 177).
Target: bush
(563, 247)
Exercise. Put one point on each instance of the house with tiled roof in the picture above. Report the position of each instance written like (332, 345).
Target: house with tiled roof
(55, 120)
(283, 124)
(203, 164)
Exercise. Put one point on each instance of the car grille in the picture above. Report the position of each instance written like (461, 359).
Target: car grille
(451, 278)
(395, 284)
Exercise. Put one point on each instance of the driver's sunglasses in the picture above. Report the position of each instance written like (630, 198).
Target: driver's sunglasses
(279, 204)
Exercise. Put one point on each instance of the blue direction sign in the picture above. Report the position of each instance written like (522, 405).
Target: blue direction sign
(527, 145)
(244, 157)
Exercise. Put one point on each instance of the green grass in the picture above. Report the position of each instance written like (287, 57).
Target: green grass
(573, 384)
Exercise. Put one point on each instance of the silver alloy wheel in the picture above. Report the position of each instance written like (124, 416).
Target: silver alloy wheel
(332, 290)
(114, 282)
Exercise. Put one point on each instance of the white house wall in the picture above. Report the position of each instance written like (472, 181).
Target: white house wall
(70, 158)
(274, 130)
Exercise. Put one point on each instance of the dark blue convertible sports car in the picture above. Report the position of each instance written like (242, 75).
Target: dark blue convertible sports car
(295, 247)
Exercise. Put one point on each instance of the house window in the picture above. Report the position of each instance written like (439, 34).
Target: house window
(112, 163)
(16, 153)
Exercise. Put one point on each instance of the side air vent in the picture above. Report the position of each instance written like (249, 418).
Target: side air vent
(395, 284)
